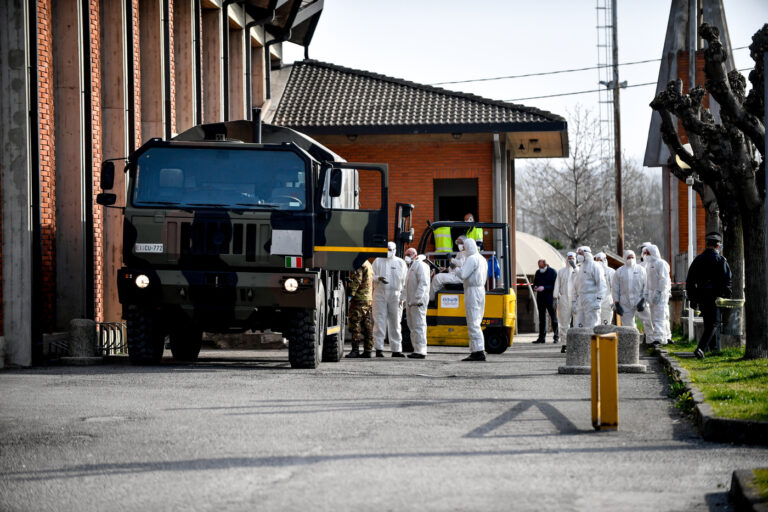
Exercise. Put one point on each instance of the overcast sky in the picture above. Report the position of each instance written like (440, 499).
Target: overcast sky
(430, 41)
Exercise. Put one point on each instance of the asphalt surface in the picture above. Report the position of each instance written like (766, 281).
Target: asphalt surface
(243, 431)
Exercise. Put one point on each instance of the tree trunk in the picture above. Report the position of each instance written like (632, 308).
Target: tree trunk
(756, 287)
(733, 250)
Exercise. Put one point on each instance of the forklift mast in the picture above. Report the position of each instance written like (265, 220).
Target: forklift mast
(404, 231)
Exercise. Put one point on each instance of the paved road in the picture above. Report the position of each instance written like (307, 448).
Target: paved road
(242, 431)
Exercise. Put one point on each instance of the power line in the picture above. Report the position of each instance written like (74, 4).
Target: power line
(575, 92)
(589, 91)
(545, 73)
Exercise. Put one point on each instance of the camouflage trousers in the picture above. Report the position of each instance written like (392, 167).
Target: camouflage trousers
(361, 324)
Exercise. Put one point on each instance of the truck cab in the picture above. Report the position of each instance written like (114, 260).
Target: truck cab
(230, 227)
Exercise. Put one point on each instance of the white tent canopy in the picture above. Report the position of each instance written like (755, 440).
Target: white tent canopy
(530, 249)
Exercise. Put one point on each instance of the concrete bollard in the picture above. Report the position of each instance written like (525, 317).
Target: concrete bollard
(629, 347)
(577, 353)
(82, 342)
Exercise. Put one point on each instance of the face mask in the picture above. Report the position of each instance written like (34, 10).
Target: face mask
(542, 269)
(471, 219)
(461, 247)
(572, 263)
(408, 259)
(719, 249)
(631, 262)
(390, 255)
(580, 258)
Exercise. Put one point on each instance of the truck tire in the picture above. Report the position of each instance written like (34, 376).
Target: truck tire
(185, 342)
(146, 339)
(496, 341)
(306, 333)
(333, 348)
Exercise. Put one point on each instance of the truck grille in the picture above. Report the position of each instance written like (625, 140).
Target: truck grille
(219, 237)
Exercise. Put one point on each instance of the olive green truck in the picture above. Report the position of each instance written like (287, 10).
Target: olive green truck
(239, 226)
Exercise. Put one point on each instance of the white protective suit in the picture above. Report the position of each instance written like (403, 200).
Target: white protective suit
(606, 307)
(645, 314)
(474, 274)
(443, 278)
(588, 290)
(563, 294)
(658, 287)
(629, 288)
(417, 292)
(387, 297)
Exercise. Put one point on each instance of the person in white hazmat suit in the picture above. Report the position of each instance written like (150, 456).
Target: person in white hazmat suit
(388, 283)
(416, 298)
(658, 286)
(443, 278)
(629, 290)
(606, 307)
(562, 294)
(588, 290)
(474, 274)
(645, 314)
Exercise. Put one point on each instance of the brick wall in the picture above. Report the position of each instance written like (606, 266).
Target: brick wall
(413, 167)
(172, 70)
(47, 163)
(136, 74)
(682, 188)
(96, 148)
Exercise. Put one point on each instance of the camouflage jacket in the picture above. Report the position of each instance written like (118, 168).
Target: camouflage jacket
(361, 283)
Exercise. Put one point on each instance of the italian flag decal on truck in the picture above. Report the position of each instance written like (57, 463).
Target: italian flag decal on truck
(292, 262)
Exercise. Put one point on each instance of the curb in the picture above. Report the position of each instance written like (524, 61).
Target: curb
(712, 427)
(743, 492)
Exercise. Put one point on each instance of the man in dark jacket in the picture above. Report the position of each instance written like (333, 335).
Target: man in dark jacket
(709, 277)
(544, 285)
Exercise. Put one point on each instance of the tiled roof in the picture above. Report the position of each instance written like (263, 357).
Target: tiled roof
(321, 98)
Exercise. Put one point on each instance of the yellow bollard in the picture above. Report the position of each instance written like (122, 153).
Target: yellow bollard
(605, 381)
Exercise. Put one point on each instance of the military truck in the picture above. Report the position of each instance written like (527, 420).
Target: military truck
(241, 225)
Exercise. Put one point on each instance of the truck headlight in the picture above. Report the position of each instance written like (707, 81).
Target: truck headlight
(291, 285)
(142, 281)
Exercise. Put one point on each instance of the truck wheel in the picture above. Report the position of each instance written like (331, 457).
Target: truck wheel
(496, 341)
(306, 333)
(146, 339)
(186, 342)
(333, 348)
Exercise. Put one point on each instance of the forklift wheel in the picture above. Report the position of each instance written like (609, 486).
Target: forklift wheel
(496, 341)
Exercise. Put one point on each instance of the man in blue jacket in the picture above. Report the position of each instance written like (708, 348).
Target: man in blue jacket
(544, 285)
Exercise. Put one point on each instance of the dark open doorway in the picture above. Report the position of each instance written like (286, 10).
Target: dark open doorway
(455, 198)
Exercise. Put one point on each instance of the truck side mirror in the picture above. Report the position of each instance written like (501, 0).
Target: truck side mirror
(334, 190)
(106, 199)
(107, 175)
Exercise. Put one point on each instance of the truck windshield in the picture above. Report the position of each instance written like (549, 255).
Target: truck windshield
(220, 178)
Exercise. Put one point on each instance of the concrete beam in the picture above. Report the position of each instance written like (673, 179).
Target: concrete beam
(152, 89)
(15, 174)
(237, 74)
(115, 145)
(213, 97)
(70, 165)
(184, 68)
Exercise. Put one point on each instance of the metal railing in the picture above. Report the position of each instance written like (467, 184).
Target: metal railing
(110, 338)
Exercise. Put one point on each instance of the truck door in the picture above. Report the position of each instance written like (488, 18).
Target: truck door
(351, 224)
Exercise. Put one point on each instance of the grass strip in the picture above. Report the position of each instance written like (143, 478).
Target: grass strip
(735, 387)
(761, 482)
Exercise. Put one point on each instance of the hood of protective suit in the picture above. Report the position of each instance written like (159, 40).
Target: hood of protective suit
(603, 259)
(391, 247)
(420, 257)
(630, 261)
(470, 246)
(654, 251)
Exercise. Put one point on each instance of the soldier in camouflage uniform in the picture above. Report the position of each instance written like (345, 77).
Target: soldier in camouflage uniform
(360, 310)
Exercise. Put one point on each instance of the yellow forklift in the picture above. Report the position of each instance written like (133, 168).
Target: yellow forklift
(446, 315)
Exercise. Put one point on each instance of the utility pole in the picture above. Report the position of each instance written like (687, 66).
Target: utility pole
(617, 134)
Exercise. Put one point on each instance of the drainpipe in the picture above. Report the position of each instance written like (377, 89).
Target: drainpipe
(167, 111)
(197, 13)
(249, 58)
(34, 166)
(86, 193)
(286, 36)
(225, 54)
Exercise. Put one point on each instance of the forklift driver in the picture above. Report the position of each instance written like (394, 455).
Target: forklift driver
(449, 276)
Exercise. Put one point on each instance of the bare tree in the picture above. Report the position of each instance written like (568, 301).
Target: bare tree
(562, 200)
(726, 158)
(566, 200)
